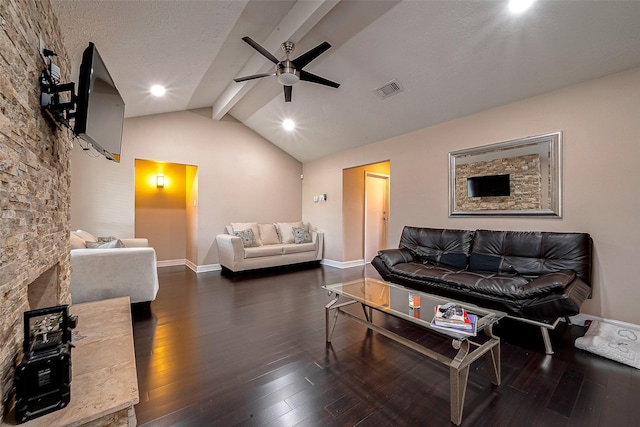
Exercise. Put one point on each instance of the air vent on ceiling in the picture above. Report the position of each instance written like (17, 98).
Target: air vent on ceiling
(389, 89)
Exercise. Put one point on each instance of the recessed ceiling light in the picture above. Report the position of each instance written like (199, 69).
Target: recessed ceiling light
(158, 90)
(518, 6)
(288, 124)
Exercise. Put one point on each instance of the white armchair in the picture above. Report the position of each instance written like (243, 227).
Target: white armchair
(126, 269)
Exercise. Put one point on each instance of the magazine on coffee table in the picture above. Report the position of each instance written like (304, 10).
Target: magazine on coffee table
(455, 319)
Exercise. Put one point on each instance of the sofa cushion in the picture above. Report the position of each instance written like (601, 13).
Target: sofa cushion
(489, 262)
(240, 226)
(285, 230)
(533, 253)
(438, 246)
(301, 235)
(248, 238)
(268, 234)
(264, 250)
(85, 235)
(295, 248)
(77, 242)
(511, 287)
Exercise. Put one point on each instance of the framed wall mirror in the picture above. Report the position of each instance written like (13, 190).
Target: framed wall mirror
(519, 177)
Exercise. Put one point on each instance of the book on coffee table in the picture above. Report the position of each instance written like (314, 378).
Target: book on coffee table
(459, 321)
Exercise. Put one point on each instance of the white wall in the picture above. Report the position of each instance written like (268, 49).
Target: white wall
(600, 120)
(241, 177)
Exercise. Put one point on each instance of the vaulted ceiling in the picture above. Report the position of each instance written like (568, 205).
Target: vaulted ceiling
(451, 58)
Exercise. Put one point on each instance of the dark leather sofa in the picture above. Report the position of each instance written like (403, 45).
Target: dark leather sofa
(536, 277)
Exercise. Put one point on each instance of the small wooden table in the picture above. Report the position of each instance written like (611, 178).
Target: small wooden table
(393, 299)
(104, 382)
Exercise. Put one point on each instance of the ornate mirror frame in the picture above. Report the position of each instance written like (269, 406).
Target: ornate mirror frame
(534, 165)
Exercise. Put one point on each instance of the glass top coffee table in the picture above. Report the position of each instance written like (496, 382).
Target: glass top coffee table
(393, 299)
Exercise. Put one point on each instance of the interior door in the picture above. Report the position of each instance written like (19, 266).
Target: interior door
(376, 213)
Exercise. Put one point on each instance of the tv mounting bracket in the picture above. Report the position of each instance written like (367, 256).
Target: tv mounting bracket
(52, 105)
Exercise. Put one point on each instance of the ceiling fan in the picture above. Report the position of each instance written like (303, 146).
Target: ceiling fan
(290, 71)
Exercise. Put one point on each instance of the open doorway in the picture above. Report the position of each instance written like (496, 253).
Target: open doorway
(376, 213)
(365, 196)
(166, 209)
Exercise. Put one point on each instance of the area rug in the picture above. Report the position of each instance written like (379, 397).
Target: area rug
(618, 343)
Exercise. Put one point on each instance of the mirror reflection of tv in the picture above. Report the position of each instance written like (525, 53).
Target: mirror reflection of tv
(99, 116)
(488, 186)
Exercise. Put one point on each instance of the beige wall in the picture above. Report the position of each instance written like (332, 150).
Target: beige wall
(600, 125)
(241, 177)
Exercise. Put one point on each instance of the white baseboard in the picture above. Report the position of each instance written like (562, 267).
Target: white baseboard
(195, 268)
(580, 319)
(191, 265)
(339, 264)
(170, 262)
(206, 268)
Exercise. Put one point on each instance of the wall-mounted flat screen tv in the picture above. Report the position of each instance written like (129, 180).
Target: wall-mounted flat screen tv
(488, 186)
(99, 109)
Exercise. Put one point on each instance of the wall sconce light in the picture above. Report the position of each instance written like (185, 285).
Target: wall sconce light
(160, 180)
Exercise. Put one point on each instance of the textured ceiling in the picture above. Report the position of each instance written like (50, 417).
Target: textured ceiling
(453, 58)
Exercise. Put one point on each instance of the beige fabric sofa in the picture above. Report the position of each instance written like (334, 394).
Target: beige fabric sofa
(103, 268)
(275, 246)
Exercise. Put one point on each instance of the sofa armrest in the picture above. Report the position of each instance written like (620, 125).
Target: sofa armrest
(98, 274)
(392, 257)
(230, 250)
(547, 283)
(138, 242)
(317, 237)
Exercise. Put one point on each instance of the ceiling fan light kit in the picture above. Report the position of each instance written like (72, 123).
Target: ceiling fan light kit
(289, 72)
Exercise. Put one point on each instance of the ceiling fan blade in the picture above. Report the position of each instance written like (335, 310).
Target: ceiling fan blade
(309, 56)
(308, 77)
(260, 49)
(287, 93)
(255, 76)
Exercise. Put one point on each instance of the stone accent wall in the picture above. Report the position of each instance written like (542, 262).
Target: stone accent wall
(35, 178)
(525, 183)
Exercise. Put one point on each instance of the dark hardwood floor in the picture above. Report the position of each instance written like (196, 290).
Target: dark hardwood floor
(250, 350)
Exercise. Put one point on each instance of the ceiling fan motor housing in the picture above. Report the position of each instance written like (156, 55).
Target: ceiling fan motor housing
(287, 74)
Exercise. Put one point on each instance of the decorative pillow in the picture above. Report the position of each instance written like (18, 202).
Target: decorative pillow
(619, 343)
(77, 242)
(484, 262)
(85, 235)
(268, 234)
(437, 257)
(106, 239)
(239, 226)
(105, 245)
(285, 230)
(301, 235)
(248, 238)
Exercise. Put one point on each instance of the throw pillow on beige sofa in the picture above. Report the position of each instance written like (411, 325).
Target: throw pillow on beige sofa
(285, 230)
